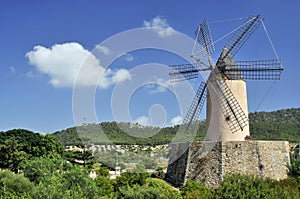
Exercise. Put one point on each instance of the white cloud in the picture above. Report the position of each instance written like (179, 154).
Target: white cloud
(176, 120)
(63, 62)
(103, 49)
(143, 121)
(159, 85)
(12, 70)
(160, 26)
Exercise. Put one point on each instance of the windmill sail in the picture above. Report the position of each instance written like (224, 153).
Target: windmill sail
(254, 70)
(241, 35)
(196, 107)
(225, 69)
(204, 39)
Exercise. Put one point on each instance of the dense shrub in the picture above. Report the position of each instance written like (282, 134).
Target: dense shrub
(193, 189)
(14, 186)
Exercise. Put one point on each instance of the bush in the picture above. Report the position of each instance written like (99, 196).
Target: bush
(130, 179)
(245, 186)
(193, 189)
(39, 168)
(152, 189)
(14, 186)
(138, 192)
(242, 186)
(294, 168)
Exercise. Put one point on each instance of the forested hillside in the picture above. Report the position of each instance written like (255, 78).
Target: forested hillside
(277, 125)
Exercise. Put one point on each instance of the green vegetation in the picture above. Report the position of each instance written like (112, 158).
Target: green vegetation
(14, 186)
(243, 186)
(193, 189)
(277, 125)
(19, 145)
(36, 166)
(294, 166)
(73, 181)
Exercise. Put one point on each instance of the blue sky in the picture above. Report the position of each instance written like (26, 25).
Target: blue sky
(36, 90)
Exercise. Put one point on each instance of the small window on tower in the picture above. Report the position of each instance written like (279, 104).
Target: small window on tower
(227, 118)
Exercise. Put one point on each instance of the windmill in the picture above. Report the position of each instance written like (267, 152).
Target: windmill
(225, 88)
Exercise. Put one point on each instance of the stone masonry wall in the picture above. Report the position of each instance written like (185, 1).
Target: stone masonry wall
(208, 162)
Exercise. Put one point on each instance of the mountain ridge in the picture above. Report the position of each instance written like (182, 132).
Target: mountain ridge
(282, 124)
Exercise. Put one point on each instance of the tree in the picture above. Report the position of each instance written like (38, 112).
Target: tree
(78, 183)
(11, 154)
(14, 186)
(104, 187)
(82, 156)
(39, 168)
(130, 179)
(19, 144)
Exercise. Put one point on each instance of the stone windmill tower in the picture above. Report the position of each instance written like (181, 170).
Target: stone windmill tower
(227, 123)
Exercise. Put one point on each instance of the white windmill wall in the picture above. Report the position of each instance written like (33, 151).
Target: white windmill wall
(217, 128)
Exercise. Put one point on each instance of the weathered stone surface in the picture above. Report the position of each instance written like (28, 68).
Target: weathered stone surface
(208, 162)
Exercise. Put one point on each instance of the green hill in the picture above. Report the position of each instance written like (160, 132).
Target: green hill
(277, 125)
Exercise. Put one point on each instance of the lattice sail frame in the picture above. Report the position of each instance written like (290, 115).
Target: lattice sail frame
(252, 70)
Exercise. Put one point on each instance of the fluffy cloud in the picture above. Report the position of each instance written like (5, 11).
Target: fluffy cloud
(176, 120)
(103, 49)
(160, 25)
(158, 85)
(143, 120)
(63, 62)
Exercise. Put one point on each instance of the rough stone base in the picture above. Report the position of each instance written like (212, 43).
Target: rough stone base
(208, 162)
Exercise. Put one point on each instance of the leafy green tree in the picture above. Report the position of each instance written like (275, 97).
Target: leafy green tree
(39, 168)
(19, 144)
(104, 187)
(11, 154)
(14, 186)
(130, 179)
(83, 156)
(78, 183)
(50, 187)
